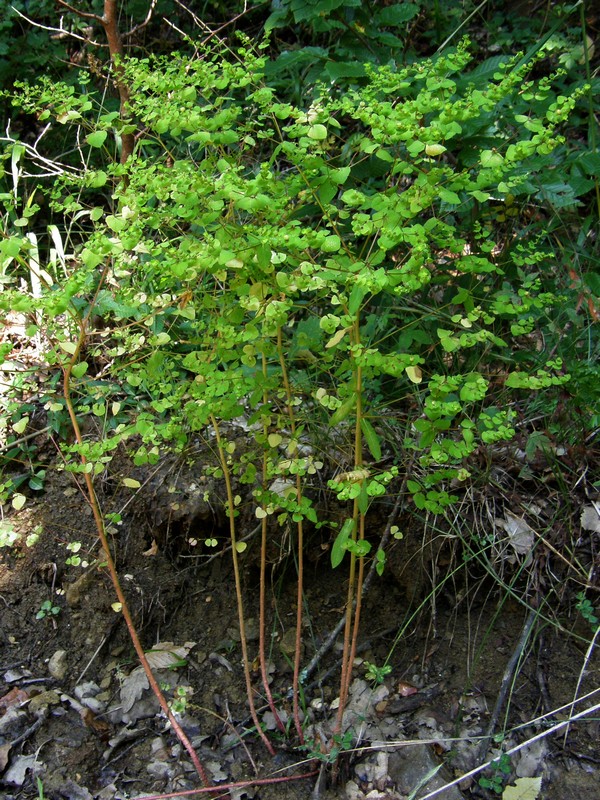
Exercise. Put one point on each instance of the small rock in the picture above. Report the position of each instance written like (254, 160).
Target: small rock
(88, 689)
(13, 675)
(89, 695)
(13, 722)
(57, 665)
(287, 644)
(416, 765)
(43, 700)
(352, 791)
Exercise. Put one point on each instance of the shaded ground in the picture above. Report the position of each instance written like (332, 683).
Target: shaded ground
(76, 715)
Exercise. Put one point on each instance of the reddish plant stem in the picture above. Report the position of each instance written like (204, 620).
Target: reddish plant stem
(263, 585)
(110, 563)
(354, 582)
(238, 585)
(109, 23)
(358, 604)
(300, 530)
(227, 787)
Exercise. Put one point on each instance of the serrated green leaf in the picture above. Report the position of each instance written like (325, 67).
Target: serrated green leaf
(397, 14)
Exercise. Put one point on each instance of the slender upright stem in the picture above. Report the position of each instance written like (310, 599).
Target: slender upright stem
(238, 584)
(263, 583)
(110, 24)
(300, 531)
(354, 582)
(110, 563)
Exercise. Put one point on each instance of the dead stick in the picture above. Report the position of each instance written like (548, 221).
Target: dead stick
(506, 682)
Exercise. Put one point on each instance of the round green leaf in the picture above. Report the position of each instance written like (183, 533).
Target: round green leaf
(80, 369)
(96, 139)
(317, 132)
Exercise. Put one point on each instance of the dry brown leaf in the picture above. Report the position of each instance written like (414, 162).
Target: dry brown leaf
(406, 689)
(15, 697)
(166, 655)
(152, 550)
(132, 688)
(91, 721)
(520, 533)
(590, 518)
(4, 753)
(524, 789)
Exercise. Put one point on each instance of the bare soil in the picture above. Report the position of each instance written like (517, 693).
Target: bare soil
(75, 719)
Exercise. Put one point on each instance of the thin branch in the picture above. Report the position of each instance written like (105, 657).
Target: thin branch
(554, 729)
(61, 32)
(331, 639)
(82, 14)
(53, 167)
(109, 22)
(143, 24)
(509, 673)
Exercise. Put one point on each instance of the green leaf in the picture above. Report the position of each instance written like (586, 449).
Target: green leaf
(363, 498)
(97, 179)
(339, 176)
(338, 549)
(96, 139)
(344, 69)
(116, 224)
(80, 369)
(18, 501)
(331, 244)
(356, 297)
(396, 15)
(414, 374)
(343, 411)
(449, 197)
(19, 427)
(371, 438)
(317, 132)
